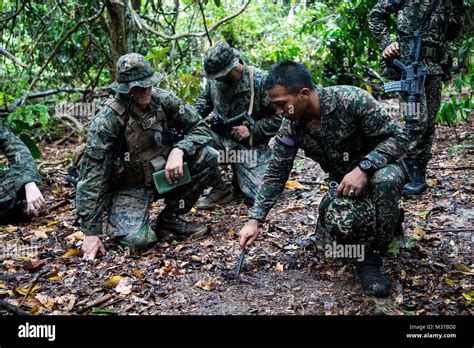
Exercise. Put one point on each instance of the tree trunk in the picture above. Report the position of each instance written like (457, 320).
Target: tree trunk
(118, 30)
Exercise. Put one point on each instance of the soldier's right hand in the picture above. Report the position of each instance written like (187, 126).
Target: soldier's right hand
(34, 199)
(90, 246)
(392, 50)
(248, 233)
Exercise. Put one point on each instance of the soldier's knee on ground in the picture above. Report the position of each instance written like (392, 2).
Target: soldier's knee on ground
(140, 240)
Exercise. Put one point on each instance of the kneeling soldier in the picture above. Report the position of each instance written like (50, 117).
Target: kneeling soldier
(130, 139)
(348, 133)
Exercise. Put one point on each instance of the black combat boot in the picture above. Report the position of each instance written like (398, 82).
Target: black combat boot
(173, 224)
(418, 177)
(372, 280)
(215, 197)
(399, 229)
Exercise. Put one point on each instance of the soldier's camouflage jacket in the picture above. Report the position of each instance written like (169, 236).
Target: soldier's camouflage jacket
(97, 167)
(232, 100)
(354, 126)
(444, 24)
(21, 167)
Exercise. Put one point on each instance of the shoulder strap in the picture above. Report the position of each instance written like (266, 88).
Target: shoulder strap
(115, 105)
(252, 89)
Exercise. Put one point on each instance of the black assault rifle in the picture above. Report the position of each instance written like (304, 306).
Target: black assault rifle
(415, 73)
(223, 126)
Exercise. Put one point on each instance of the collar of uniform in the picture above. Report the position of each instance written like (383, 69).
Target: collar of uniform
(243, 85)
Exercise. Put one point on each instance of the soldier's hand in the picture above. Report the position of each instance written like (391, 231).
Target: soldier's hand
(248, 233)
(353, 183)
(174, 166)
(392, 50)
(240, 132)
(34, 199)
(90, 246)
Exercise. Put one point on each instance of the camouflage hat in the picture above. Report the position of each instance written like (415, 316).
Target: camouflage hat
(219, 60)
(344, 217)
(132, 70)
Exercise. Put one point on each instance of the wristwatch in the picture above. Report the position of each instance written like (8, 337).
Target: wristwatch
(366, 166)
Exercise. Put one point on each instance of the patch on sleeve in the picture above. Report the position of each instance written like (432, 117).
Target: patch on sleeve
(285, 140)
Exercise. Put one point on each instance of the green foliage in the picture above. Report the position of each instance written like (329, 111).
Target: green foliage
(331, 37)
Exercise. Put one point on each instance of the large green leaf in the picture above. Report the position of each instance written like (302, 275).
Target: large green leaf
(35, 151)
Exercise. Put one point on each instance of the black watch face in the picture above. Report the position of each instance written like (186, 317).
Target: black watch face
(365, 164)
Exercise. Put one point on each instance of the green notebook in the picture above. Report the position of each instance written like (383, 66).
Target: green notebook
(162, 185)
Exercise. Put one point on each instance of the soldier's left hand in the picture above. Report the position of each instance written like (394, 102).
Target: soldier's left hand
(240, 132)
(174, 166)
(34, 199)
(353, 183)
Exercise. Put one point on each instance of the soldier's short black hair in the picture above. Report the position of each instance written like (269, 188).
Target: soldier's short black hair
(289, 74)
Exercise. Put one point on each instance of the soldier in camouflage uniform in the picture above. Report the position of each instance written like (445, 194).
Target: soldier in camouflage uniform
(228, 93)
(351, 136)
(122, 183)
(19, 194)
(443, 24)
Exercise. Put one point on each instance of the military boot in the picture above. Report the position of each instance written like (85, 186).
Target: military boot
(399, 229)
(173, 224)
(372, 280)
(215, 197)
(418, 177)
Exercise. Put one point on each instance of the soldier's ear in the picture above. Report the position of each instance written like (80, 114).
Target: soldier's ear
(304, 93)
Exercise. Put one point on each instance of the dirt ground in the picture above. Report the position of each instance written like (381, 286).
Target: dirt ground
(431, 268)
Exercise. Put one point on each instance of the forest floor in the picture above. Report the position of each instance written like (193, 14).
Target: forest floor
(431, 268)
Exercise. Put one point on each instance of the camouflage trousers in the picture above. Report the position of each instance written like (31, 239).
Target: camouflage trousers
(248, 164)
(129, 207)
(381, 209)
(421, 139)
(12, 201)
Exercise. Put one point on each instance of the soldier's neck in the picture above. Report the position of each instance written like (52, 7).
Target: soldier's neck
(313, 112)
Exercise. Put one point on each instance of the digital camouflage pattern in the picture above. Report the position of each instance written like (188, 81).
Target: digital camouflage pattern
(219, 60)
(354, 126)
(132, 70)
(21, 170)
(98, 173)
(230, 100)
(444, 24)
(129, 208)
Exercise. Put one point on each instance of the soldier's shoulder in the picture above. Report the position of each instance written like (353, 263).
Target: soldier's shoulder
(347, 92)
(161, 93)
(107, 109)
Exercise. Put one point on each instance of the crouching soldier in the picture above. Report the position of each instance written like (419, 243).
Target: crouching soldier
(232, 88)
(130, 139)
(20, 197)
(348, 133)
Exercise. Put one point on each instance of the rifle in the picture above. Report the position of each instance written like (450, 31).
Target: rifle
(223, 126)
(415, 73)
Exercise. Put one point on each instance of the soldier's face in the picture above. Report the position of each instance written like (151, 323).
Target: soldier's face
(288, 105)
(141, 96)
